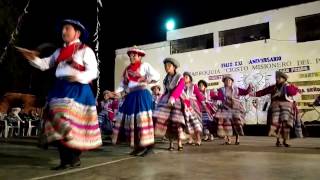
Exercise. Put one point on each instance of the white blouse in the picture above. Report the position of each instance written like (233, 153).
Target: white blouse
(84, 57)
(147, 71)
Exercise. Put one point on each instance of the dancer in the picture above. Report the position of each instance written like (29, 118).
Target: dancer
(73, 123)
(169, 114)
(134, 120)
(230, 113)
(283, 109)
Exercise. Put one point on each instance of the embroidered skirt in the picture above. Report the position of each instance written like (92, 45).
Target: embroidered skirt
(73, 116)
(134, 120)
(230, 120)
(170, 121)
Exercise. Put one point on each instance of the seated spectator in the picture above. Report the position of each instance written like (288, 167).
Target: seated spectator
(109, 108)
(13, 117)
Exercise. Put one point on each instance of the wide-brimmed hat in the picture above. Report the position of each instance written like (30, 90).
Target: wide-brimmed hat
(155, 86)
(203, 82)
(174, 62)
(188, 74)
(136, 50)
(227, 76)
(281, 74)
(77, 25)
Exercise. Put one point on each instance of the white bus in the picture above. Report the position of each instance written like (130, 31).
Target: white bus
(250, 48)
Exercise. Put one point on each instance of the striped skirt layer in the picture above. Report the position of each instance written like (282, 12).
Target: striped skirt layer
(134, 120)
(208, 119)
(193, 118)
(73, 116)
(282, 118)
(230, 120)
(170, 121)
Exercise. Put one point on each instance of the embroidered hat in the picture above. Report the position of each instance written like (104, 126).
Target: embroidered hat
(136, 50)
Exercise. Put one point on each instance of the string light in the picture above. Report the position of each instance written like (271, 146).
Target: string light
(15, 32)
(96, 49)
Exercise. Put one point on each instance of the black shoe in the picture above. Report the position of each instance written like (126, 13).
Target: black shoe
(135, 152)
(170, 148)
(180, 148)
(237, 143)
(286, 145)
(278, 144)
(60, 167)
(75, 164)
(206, 139)
(147, 152)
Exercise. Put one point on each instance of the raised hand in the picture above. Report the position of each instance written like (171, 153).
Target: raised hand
(28, 54)
(171, 101)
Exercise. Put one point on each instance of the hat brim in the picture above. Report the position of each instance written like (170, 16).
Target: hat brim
(84, 32)
(157, 86)
(174, 63)
(203, 82)
(188, 74)
(140, 53)
(224, 79)
(281, 74)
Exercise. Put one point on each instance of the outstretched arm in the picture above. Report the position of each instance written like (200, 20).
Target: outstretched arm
(33, 57)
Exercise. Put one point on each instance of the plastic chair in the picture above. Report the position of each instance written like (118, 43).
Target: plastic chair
(30, 127)
(3, 124)
(15, 112)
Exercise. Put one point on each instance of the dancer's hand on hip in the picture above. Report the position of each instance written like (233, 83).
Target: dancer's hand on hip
(72, 78)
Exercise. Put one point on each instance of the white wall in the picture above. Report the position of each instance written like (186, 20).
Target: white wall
(282, 43)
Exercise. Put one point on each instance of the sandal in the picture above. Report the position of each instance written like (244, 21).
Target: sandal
(227, 143)
(278, 144)
(189, 143)
(286, 145)
(206, 138)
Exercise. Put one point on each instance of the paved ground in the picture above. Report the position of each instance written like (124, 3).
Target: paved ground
(256, 158)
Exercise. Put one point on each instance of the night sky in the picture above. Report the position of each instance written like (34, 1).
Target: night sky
(126, 23)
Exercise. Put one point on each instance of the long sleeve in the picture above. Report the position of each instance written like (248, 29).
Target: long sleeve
(152, 74)
(292, 90)
(243, 92)
(212, 94)
(91, 67)
(147, 72)
(120, 87)
(265, 91)
(219, 96)
(178, 90)
(198, 94)
(45, 63)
